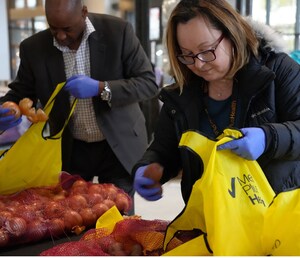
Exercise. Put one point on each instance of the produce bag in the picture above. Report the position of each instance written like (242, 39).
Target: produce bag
(227, 204)
(115, 235)
(35, 158)
(70, 207)
(281, 231)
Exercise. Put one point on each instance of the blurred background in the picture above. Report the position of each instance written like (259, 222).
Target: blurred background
(22, 18)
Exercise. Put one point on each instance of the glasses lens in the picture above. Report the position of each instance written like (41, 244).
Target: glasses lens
(207, 56)
(186, 59)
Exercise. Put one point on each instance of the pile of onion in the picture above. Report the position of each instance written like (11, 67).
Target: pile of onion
(37, 213)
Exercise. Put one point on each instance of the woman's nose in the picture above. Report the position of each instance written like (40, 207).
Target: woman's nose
(199, 63)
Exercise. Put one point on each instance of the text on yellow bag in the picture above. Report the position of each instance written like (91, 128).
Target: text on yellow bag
(227, 203)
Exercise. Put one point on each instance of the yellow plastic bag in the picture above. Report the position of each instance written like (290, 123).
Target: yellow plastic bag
(227, 203)
(34, 159)
(281, 232)
(109, 219)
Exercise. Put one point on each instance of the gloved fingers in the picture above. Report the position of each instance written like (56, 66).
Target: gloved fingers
(142, 181)
(239, 149)
(69, 85)
(150, 194)
(74, 77)
(244, 131)
(154, 197)
(4, 111)
(241, 153)
(232, 145)
(7, 125)
(18, 121)
(7, 119)
(146, 192)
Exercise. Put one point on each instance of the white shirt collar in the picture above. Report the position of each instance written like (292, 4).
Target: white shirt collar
(89, 29)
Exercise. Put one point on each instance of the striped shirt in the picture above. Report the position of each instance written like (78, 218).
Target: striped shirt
(77, 62)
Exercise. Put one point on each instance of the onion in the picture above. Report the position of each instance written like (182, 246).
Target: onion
(25, 106)
(79, 187)
(80, 183)
(79, 190)
(72, 218)
(36, 231)
(109, 203)
(12, 206)
(99, 209)
(116, 249)
(32, 114)
(77, 202)
(154, 171)
(41, 115)
(88, 216)
(27, 212)
(94, 198)
(136, 250)
(122, 202)
(37, 205)
(111, 192)
(4, 238)
(3, 217)
(2, 205)
(60, 196)
(95, 189)
(56, 227)
(15, 226)
(53, 210)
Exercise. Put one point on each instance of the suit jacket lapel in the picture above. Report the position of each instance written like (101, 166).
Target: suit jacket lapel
(97, 56)
(55, 65)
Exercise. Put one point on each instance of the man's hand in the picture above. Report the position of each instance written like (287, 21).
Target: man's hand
(82, 87)
(7, 120)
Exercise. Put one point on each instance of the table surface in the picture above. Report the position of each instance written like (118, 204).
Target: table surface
(36, 249)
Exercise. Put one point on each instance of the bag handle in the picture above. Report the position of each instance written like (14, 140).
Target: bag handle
(48, 107)
(195, 141)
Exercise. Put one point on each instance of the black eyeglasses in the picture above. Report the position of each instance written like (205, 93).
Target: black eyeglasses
(204, 56)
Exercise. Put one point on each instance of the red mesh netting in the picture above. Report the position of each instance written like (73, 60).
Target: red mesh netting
(130, 237)
(49, 212)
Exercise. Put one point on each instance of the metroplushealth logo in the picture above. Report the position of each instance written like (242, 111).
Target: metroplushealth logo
(249, 187)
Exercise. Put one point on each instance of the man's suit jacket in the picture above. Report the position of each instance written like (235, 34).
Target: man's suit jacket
(117, 57)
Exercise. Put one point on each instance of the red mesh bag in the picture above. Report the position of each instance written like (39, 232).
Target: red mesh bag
(50, 212)
(130, 237)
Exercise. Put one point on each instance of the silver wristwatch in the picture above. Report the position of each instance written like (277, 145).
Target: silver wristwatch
(106, 92)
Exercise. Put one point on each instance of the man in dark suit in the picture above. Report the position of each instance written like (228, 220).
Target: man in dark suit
(107, 70)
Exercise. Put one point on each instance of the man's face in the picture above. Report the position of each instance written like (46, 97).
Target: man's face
(67, 29)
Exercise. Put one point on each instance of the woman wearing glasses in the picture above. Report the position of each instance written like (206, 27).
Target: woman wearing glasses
(228, 73)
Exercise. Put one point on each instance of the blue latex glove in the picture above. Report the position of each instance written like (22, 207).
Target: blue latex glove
(8, 121)
(250, 146)
(142, 183)
(82, 87)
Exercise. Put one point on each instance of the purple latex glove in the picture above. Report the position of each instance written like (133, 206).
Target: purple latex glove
(251, 146)
(82, 87)
(141, 185)
(8, 121)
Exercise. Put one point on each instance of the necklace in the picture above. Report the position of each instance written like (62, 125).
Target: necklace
(232, 114)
